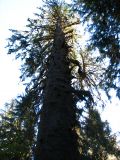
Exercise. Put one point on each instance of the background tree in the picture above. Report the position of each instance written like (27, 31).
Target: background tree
(103, 19)
(98, 142)
(15, 141)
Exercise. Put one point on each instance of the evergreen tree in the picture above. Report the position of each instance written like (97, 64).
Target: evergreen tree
(46, 53)
(98, 142)
(15, 142)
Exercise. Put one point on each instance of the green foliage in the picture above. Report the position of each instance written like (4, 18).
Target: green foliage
(103, 24)
(14, 140)
(98, 141)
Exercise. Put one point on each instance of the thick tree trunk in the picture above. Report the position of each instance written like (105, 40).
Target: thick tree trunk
(57, 139)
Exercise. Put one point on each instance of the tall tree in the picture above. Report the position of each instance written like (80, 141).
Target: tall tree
(46, 53)
(57, 138)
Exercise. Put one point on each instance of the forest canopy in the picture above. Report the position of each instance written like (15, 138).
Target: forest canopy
(57, 117)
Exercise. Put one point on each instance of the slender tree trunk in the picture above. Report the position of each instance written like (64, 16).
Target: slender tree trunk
(57, 139)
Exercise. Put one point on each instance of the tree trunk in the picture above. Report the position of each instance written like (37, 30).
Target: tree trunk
(57, 138)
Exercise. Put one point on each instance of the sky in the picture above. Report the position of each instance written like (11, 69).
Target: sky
(13, 15)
